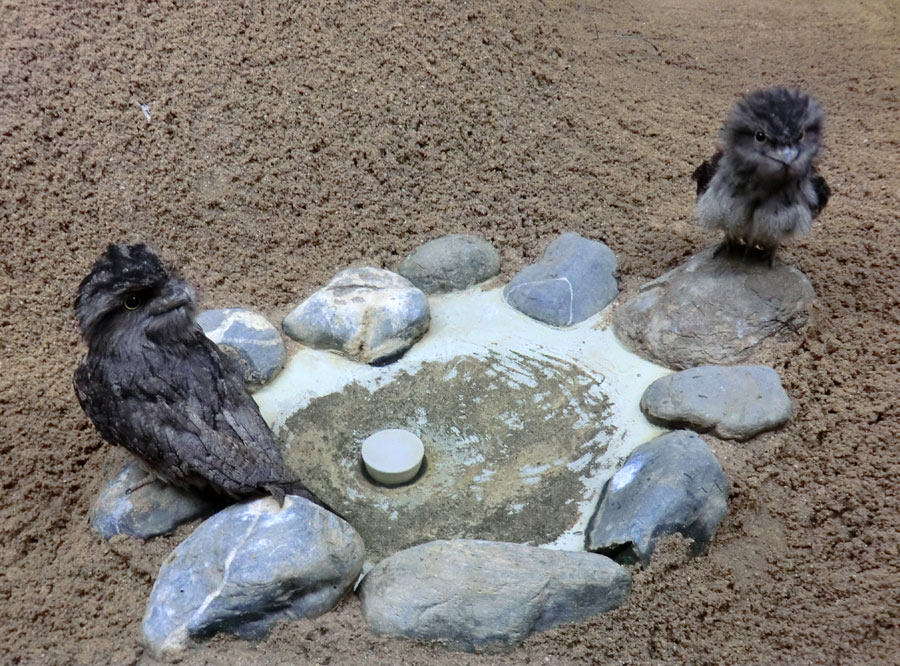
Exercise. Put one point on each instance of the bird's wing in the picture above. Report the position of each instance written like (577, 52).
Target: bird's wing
(704, 173)
(215, 426)
(130, 405)
(94, 397)
(823, 192)
(187, 416)
(220, 415)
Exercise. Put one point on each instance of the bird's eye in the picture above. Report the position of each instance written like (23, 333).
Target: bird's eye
(801, 137)
(132, 302)
(760, 137)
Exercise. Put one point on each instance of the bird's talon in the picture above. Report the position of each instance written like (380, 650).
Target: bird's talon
(146, 481)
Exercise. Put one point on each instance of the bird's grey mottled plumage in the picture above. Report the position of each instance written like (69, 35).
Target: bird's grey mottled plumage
(153, 383)
(762, 187)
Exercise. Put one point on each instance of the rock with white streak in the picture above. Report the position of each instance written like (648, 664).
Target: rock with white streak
(129, 505)
(733, 402)
(247, 567)
(368, 314)
(487, 596)
(573, 280)
(451, 263)
(249, 339)
(672, 484)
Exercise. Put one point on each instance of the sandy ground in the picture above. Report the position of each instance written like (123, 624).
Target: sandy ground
(289, 140)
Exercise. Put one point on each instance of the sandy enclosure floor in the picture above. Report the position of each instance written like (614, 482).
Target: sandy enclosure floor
(287, 142)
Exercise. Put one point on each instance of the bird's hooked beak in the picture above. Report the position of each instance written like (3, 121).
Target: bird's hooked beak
(787, 154)
(176, 295)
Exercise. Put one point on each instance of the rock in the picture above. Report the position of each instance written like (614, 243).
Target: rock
(451, 263)
(247, 567)
(735, 402)
(248, 338)
(573, 280)
(672, 484)
(486, 596)
(713, 310)
(368, 314)
(152, 509)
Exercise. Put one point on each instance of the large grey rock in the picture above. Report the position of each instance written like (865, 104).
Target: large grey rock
(735, 402)
(368, 314)
(574, 279)
(247, 567)
(451, 263)
(152, 509)
(486, 596)
(249, 339)
(713, 310)
(672, 484)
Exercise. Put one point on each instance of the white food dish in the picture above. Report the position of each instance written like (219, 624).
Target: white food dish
(392, 456)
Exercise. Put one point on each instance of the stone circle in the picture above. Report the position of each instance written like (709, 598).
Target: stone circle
(482, 363)
(522, 424)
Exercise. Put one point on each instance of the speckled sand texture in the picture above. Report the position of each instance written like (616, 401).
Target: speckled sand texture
(287, 141)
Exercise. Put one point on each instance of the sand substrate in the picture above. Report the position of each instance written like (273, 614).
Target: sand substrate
(289, 140)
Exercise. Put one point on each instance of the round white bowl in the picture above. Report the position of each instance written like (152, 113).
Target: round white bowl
(392, 456)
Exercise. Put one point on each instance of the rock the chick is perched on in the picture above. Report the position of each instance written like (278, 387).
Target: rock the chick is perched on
(761, 187)
(153, 383)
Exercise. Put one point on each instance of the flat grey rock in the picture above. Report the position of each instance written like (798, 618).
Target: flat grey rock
(713, 310)
(573, 280)
(672, 484)
(153, 509)
(735, 402)
(487, 596)
(247, 567)
(249, 339)
(368, 314)
(451, 263)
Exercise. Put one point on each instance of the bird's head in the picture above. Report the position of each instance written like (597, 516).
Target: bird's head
(130, 292)
(774, 134)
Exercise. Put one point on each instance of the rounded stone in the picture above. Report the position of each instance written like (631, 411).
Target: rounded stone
(393, 456)
(573, 280)
(450, 263)
(714, 310)
(248, 567)
(129, 505)
(487, 596)
(733, 402)
(671, 484)
(248, 338)
(367, 314)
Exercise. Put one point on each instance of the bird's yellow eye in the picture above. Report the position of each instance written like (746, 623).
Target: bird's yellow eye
(760, 137)
(132, 302)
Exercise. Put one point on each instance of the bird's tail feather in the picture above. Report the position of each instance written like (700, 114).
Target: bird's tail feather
(280, 489)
